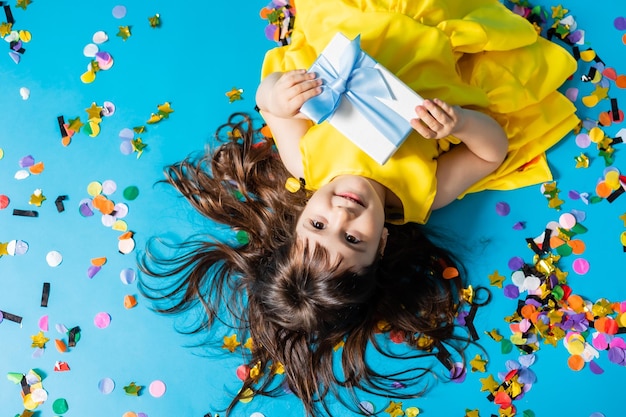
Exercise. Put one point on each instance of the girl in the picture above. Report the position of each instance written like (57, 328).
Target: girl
(344, 257)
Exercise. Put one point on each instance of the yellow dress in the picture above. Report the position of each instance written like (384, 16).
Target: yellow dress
(472, 53)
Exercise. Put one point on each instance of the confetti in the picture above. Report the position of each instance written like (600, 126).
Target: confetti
(106, 386)
(102, 320)
(156, 388)
(54, 258)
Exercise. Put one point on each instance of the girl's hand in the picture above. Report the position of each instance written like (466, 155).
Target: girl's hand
(436, 119)
(286, 92)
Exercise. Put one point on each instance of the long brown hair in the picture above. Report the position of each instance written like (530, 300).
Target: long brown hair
(295, 304)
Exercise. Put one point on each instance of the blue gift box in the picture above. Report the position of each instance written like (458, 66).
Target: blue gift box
(361, 99)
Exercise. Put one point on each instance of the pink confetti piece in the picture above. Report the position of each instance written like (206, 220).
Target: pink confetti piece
(43, 323)
(580, 266)
(157, 388)
(102, 320)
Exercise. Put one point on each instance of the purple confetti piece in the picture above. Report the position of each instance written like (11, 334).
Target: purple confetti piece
(575, 36)
(126, 134)
(574, 195)
(85, 210)
(270, 30)
(119, 12)
(511, 291)
(516, 263)
(616, 355)
(519, 226)
(503, 208)
(17, 46)
(27, 161)
(620, 23)
(595, 368)
(93, 270)
(572, 94)
(458, 373)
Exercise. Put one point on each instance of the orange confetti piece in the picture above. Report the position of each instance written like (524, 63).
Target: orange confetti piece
(103, 204)
(36, 168)
(60, 345)
(576, 362)
(65, 141)
(450, 272)
(576, 302)
(528, 310)
(620, 81)
(577, 245)
(99, 261)
(603, 190)
(126, 235)
(556, 241)
(129, 302)
(605, 119)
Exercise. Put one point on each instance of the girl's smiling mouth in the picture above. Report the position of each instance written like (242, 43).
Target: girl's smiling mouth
(351, 197)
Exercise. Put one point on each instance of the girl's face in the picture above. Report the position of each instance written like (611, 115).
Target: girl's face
(347, 217)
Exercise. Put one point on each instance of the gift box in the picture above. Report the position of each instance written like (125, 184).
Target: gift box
(361, 99)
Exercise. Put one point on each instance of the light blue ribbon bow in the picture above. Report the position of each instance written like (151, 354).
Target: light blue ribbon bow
(361, 83)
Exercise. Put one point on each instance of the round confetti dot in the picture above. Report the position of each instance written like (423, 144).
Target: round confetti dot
(60, 406)
(516, 263)
(567, 220)
(576, 362)
(102, 320)
(100, 37)
(90, 50)
(54, 258)
(1, 153)
(119, 12)
(367, 407)
(94, 188)
(43, 323)
(24, 93)
(580, 266)
(503, 208)
(108, 109)
(128, 276)
(156, 388)
(596, 414)
(106, 386)
(126, 147)
(257, 414)
(620, 23)
(130, 193)
(126, 246)
(4, 201)
(129, 414)
(120, 210)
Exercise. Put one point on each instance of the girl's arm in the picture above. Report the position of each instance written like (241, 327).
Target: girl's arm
(279, 98)
(484, 146)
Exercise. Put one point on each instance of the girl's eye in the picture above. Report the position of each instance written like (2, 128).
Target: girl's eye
(317, 224)
(351, 239)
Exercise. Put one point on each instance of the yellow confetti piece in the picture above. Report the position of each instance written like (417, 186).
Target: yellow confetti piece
(120, 226)
(412, 412)
(596, 135)
(94, 188)
(246, 396)
(88, 77)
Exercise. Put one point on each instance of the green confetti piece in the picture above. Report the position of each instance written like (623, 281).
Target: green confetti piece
(506, 346)
(558, 292)
(242, 237)
(564, 250)
(130, 193)
(528, 413)
(60, 406)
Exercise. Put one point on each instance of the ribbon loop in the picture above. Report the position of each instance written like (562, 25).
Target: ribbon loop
(354, 77)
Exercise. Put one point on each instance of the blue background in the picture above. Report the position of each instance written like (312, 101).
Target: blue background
(201, 51)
